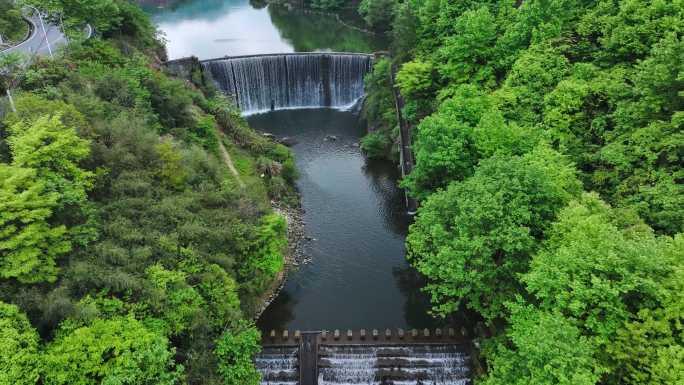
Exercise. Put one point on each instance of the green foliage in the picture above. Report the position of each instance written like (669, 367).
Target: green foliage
(176, 303)
(122, 235)
(466, 55)
(19, 352)
(234, 350)
(600, 82)
(326, 5)
(415, 79)
(379, 107)
(29, 244)
(265, 256)
(444, 146)
(473, 239)
(541, 348)
(404, 31)
(604, 265)
(11, 70)
(54, 151)
(375, 145)
(103, 15)
(13, 28)
(116, 351)
(172, 170)
(378, 14)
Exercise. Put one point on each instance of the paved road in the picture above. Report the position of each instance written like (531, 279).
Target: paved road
(36, 43)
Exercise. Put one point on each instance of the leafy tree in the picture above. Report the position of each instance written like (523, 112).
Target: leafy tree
(10, 70)
(378, 14)
(55, 151)
(415, 79)
(404, 31)
(326, 5)
(172, 170)
(607, 261)
(473, 239)
(378, 107)
(444, 145)
(102, 15)
(234, 350)
(268, 247)
(116, 351)
(19, 351)
(494, 135)
(12, 26)
(541, 348)
(29, 243)
(375, 145)
(605, 270)
(174, 301)
(465, 55)
(220, 293)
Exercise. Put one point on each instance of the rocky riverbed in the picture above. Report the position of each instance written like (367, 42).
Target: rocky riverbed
(294, 255)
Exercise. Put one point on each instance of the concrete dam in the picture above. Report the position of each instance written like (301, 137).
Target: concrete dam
(389, 357)
(262, 83)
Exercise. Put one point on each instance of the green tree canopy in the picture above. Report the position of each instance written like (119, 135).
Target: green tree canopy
(19, 350)
(29, 243)
(54, 151)
(541, 348)
(234, 350)
(473, 239)
(116, 351)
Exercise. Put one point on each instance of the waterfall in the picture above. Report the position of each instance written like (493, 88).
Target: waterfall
(278, 365)
(348, 365)
(259, 83)
(399, 365)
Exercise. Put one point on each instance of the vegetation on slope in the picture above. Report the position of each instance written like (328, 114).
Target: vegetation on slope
(549, 144)
(128, 252)
(13, 28)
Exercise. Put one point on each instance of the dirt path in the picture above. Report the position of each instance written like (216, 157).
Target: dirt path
(229, 162)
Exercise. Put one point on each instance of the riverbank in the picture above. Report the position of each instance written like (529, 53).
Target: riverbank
(294, 256)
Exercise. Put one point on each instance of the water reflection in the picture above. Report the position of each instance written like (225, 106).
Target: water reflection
(215, 28)
(359, 277)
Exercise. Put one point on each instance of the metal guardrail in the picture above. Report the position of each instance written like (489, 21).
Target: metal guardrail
(35, 41)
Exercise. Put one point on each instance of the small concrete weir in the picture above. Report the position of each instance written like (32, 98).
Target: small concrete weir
(261, 83)
(365, 357)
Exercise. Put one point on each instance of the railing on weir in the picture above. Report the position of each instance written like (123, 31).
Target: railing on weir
(367, 336)
(228, 57)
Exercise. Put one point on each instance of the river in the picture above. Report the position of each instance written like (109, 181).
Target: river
(358, 276)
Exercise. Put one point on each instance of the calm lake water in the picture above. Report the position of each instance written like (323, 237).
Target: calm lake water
(358, 276)
(214, 28)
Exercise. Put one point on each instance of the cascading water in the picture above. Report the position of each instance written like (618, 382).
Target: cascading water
(347, 365)
(264, 82)
(405, 365)
(278, 365)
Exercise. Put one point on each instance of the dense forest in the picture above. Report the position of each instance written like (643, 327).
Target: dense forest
(548, 137)
(549, 144)
(129, 253)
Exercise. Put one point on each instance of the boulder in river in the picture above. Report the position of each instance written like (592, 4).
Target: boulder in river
(288, 141)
